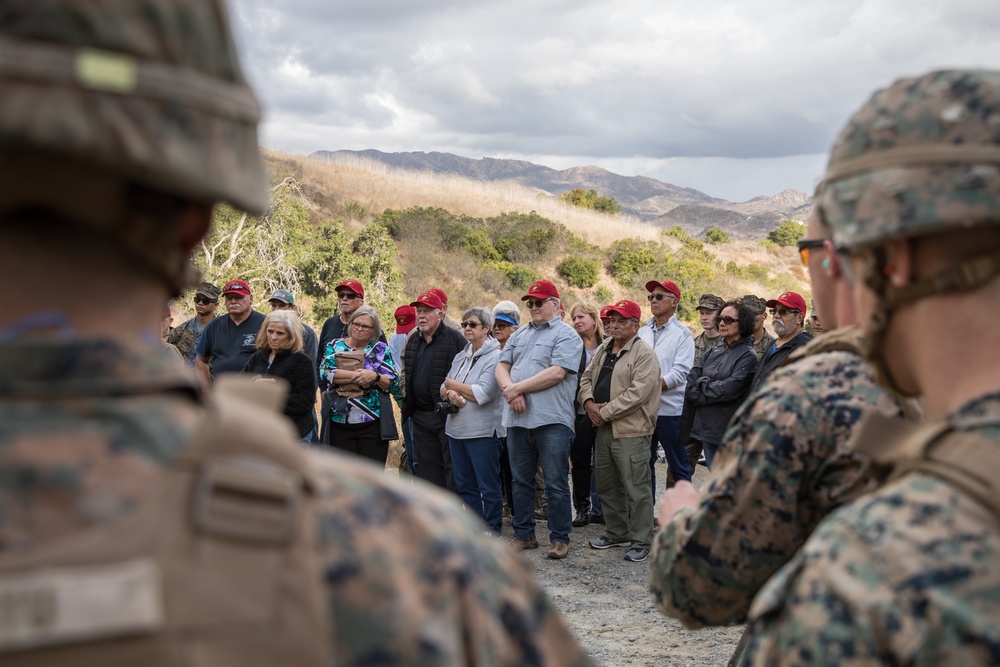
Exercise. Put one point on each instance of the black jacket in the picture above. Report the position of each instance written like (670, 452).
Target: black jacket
(298, 370)
(446, 344)
(717, 388)
(771, 361)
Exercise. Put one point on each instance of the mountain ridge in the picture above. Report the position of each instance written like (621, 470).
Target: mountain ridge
(646, 198)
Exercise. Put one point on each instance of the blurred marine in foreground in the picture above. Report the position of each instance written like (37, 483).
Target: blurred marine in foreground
(138, 525)
(908, 574)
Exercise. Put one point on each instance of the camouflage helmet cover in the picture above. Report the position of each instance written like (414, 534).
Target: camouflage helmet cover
(148, 90)
(920, 157)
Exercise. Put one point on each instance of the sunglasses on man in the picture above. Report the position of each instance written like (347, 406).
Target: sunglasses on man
(782, 312)
(535, 303)
(807, 245)
(200, 300)
(347, 295)
(659, 296)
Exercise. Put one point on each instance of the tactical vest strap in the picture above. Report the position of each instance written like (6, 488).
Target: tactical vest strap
(842, 339)
(966, 461)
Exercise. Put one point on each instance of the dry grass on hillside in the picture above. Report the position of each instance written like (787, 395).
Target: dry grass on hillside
(377, 187)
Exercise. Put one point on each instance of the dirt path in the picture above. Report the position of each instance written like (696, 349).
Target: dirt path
(607, 601)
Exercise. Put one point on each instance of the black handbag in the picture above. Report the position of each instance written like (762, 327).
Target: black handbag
(386, 418)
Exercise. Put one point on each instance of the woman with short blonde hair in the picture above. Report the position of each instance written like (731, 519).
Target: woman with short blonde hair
(279, 355)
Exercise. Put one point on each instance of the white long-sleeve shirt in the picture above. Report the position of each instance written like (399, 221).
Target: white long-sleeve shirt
(674, 347)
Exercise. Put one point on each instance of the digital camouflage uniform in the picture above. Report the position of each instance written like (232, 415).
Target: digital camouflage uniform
(88, 426)
(908, 574)
(783, 465)
(185, 338)
(133, 109)
(764, 344)
(703, 344)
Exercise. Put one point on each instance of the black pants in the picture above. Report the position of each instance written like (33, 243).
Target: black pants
(362, 440)
(431, 447)
(581, 453)
(506, 480)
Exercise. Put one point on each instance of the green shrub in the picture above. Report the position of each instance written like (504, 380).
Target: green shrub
(590, 199)
(787, 234)
(480, 245)
(628, 257)
(717, 236)
(603, 295)
(579, 272)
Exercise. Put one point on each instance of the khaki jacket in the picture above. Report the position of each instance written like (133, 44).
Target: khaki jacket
(635, 388)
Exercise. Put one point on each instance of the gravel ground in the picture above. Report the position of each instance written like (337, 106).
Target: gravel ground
(607, 602)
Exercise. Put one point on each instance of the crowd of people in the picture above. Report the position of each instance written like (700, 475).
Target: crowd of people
(568, 412)
(152, 514)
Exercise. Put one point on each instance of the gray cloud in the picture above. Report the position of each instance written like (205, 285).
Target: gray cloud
(629, 83)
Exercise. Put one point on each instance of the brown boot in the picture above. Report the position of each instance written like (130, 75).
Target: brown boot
(558, 550)
(521, 545)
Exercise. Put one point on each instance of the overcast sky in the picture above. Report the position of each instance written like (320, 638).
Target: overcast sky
(734, 98)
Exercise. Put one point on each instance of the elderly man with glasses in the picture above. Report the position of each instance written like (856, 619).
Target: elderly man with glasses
(788, 314)
(620, 390)
(674, 348)
(536, 375)
(228, 342)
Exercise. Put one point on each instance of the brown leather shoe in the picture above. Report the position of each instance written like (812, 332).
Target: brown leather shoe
(521, 545)
(558, 550)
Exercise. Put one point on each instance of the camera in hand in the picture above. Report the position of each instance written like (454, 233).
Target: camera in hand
(445, 408)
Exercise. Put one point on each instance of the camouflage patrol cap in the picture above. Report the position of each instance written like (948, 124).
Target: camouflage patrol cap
(710, 302)
(147, 91)
(208, 290)
(920, 157)
(754, 303)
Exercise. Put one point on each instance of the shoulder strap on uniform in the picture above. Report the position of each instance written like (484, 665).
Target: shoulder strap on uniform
(252, 476)
(966, 461)
(843, 339)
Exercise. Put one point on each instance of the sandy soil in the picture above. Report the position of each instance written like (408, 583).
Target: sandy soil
(607, 602)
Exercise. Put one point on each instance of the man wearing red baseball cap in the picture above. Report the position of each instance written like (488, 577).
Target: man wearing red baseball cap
(621, 400)
(228, 342)
(427, 355)
(536, 373)
(788, 313)
(674, 347)
(444, 309)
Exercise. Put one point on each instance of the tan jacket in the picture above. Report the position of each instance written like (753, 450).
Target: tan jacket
(635, 388)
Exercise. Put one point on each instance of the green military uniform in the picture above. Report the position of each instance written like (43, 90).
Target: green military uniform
(764, 344)
(138, 116)
(703, 344)
(784, 464)
(908, 574)
(408, 577)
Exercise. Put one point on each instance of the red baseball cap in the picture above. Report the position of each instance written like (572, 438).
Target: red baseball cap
(666, 284)
(541, 289)
(429, 299)
(352, 285)
(406, 319)
(789, 300)
(605, 315)
(440, 293)
(236, 287)
(626, 308)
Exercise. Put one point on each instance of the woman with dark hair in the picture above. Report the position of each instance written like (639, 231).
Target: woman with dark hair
(717, 387)
(359, 366)
(280, 355)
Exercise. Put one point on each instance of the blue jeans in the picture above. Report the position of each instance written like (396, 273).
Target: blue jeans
(549, 445)
(475, 464)
(709, 450)
(666, 434)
